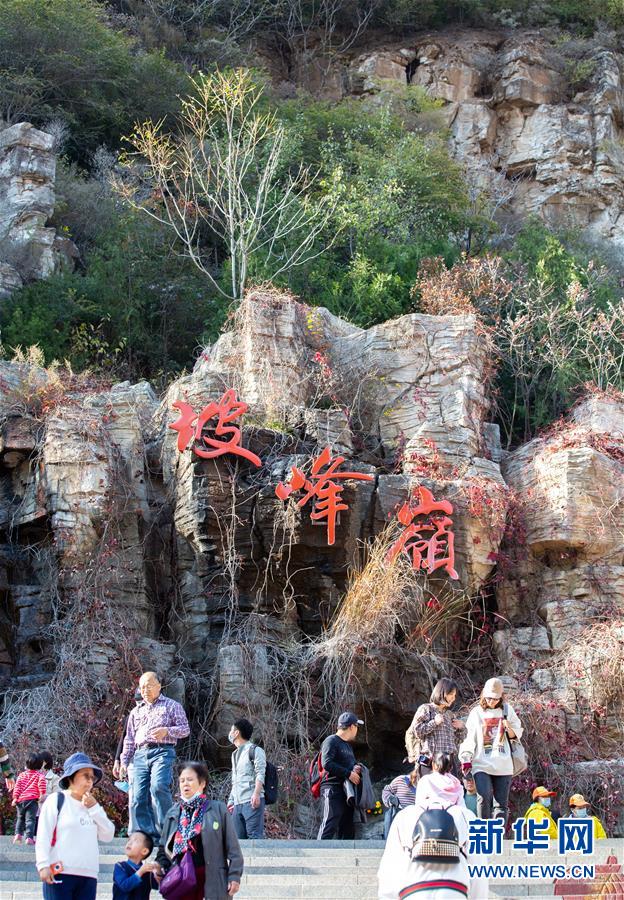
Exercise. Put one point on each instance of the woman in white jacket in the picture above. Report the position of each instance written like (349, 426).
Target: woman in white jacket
(70, 825)
(485, 752)
(431, 880)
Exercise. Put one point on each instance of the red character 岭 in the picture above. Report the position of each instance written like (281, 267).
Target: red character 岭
(429, 539)
(323, 488)
(190, 427)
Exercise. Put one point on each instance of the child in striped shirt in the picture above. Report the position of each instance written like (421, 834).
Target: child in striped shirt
(401, 792)
(30, 787)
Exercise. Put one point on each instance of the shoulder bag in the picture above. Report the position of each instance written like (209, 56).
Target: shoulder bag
(516, 748)
(181, 878)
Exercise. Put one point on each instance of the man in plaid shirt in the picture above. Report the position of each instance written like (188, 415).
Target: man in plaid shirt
(154, 727)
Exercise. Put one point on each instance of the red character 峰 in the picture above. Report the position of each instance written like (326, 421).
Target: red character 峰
(190, 427)
(429, 539)
(320, 485)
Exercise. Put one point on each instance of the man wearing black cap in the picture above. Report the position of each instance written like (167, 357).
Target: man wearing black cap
(339, 764)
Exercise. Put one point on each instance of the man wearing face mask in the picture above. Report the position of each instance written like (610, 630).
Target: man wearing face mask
(246, 800)
(579, 808)
(539, 810)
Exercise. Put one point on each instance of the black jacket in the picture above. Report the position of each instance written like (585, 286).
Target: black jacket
(361, 796)
(222, 853)
(338, 759)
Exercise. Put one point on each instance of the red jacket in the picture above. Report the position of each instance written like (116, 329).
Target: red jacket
(29, 785)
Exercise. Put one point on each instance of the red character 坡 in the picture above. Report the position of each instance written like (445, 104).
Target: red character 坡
(190, 427)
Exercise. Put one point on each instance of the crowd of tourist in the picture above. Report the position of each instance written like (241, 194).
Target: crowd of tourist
(460, 772)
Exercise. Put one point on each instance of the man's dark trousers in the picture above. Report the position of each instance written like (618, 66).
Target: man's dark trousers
(337, 818)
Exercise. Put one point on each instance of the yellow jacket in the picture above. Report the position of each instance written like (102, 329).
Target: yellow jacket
(540, 813)
(599, 831)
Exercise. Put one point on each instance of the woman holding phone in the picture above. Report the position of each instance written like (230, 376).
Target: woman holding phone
(435, 729)
(71, 824)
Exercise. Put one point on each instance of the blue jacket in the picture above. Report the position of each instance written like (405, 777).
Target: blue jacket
(126, 883)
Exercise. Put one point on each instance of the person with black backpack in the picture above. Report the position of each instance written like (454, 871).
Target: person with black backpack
(247, 796)
(426, 853)
(426, 857)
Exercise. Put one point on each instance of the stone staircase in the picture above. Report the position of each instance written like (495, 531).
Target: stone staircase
(306, 870)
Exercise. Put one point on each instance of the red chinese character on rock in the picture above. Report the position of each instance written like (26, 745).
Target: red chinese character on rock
(190, 427)
(328, 502)
(429, 540)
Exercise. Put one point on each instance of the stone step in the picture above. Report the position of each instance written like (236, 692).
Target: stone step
(17, 891)
(269, 876)
(299, 870)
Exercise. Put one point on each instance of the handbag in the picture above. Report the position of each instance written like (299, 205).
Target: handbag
(180, 880)
(518, 753)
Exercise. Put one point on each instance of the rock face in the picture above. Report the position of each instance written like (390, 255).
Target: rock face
(513, 114)
(28, 249)
(568, 586)
(193, 565)
(75, 493)
(201, 551)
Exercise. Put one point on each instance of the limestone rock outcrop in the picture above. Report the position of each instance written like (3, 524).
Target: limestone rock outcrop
(403, 401)
(72, 480)
(515, 117)
(29, 250)
(567, 580)
(200, 555)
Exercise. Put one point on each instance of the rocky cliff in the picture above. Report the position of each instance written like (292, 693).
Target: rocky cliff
(29, 250)
(117, 541)
(537, 122)
(536, 119)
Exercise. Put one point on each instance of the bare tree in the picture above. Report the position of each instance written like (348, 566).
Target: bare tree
(225, 175)
(491, 192)
(323, 22)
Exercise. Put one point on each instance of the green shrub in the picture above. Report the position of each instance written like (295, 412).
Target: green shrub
(398, 197)
(62, 59)
(85, 208)
(562, 328)
(559, 260)
(139, 310)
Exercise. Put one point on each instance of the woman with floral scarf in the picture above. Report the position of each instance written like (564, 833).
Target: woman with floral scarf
(204, 828)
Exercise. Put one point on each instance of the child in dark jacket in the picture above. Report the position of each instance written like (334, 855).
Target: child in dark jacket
(132, 878)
